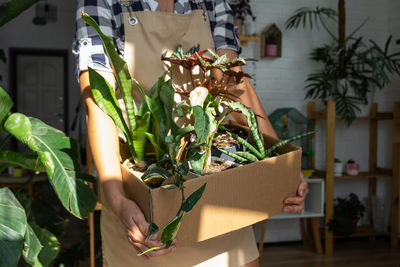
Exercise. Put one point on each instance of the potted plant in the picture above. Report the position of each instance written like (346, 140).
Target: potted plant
(347, 212)
(351, 68)
(241, 9)
(352, 168)
(224, 140)
(207, 102)
(271, 42)
(338, 167)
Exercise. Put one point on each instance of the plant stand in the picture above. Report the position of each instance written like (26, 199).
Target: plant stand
(373, 173)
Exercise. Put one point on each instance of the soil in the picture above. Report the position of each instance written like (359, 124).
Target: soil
(224, 140)
(217, 166)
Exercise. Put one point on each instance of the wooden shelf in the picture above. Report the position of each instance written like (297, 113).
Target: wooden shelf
(329, 115)
(249, 38)
(361, 175)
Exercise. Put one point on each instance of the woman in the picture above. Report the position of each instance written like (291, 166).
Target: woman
(142, 37)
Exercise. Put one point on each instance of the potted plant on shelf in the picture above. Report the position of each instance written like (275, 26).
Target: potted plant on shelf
(352, 168)
(351, 67)
(241, 9)
(271, 42)
(347, 212)
(338, 167)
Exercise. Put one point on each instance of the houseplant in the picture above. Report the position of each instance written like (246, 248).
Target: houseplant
(352, 168)
(351, 67)
(271, 42)
(241, 9)
(347, 212)
(337, 167)
(207, 101)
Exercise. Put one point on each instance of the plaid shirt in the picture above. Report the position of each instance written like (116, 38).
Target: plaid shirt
(88, 48)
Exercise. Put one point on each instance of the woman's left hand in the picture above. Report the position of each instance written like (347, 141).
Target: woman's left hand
(295, 204)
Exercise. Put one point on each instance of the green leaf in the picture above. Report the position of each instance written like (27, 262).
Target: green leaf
(12, 228)
(170, 231)
(191, 201)
(32, 246)
(59, 155)
(50, 246)
(121, 72)
(27, 161)
(197, 159)
(167, 94)
(154, 171)
(201, 124)
(103, 94)
(20, 127)
(5, 105)
(139, 136)
(11, 9)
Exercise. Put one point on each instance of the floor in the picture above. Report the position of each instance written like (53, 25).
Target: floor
(352, 252)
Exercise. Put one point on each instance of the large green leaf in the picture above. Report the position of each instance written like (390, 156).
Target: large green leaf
(120, 68)
(59, 155)
(50, 246)
(197, 158)
(28, 161)
(201, 124)
(103, 94)
(139, 136)
(12, 228)
(20, 127)
(32, 246)
(11, 9)
(5, 105)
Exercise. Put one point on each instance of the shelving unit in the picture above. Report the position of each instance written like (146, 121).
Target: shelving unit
(374, 171)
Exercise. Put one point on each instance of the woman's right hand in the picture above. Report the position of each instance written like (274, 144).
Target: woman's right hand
(136, 228)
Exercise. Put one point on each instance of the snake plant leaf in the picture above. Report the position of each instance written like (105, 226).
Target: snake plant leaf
(59, 155)
(286, 141)
(103, 94)
(139, 136)
(197, 158)
(120, 70)
(201, 124)
(11, 9)
(157, 146)
(5, 105)
(25, 160)
(247, 155)
(12, 228)
(192, 200)
(50, 246)
(170, 230)
(167, 94)
(20, 127)
(32, 246)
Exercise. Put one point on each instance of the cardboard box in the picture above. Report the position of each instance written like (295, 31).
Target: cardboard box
(233, 199)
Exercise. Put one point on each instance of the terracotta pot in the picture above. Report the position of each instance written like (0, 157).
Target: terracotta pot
(271, 50)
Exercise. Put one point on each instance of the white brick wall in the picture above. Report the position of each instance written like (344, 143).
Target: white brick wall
(280, 83)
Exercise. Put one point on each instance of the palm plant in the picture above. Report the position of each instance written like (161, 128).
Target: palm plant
(352, 68)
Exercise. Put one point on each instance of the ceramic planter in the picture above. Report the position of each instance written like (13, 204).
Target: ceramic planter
(352, 168)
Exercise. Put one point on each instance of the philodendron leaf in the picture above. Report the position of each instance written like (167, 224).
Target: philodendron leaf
(196, 159)
(32, 246)
(12, 228)
(103, 94)
(59, 155)
(170, 231)
(50, 246)
(191, 201)
(20, 127)
(120, 68)
(201, 124)
(28, 161)
(5, 105)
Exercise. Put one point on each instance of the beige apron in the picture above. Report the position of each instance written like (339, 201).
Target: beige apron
(147, 36)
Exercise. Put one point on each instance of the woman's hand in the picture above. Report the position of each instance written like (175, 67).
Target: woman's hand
(136, 228)
(295, 204)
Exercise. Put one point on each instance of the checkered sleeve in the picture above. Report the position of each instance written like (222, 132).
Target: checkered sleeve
(87, 47)
(224, 32)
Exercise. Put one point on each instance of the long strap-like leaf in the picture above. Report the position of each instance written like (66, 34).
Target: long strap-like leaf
(120, 68)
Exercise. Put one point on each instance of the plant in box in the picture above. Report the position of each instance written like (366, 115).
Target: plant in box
(207, 103)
